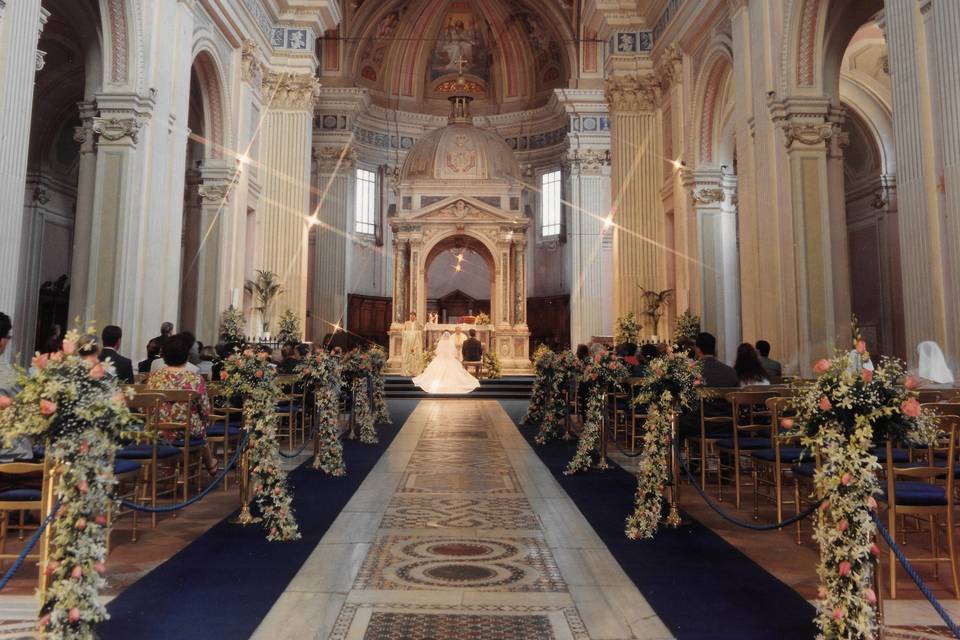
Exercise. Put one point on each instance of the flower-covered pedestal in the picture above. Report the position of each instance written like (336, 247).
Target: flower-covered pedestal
(378, 362)
(668, 385)
(850, 408)
(558, 371)
(604, 373)
(72, 405)
(357, 375)
(321, 373)
(248, 376)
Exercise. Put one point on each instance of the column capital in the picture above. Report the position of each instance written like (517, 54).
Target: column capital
(809, 121)
(633, 93)
(291, 91)
(330, 157)
(587, 161)
(115, 129)
(217, 181)
(669, 66)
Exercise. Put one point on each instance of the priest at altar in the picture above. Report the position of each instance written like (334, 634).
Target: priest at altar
(411, 347)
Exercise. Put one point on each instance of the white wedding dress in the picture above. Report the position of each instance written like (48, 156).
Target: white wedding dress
(445, 374)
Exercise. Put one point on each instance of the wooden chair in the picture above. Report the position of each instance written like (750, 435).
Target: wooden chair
(770, 465)
(713, 419)
(224, 428)
(160, 463)
(128, 474)
(476, 365)
(926, 492)
(750, 419)
(804, 489)
(21, 498)
(289, 408)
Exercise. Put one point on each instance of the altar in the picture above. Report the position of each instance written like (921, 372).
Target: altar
(433, 331)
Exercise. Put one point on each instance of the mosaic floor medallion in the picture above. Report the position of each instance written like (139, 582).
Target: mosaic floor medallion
(494, 512)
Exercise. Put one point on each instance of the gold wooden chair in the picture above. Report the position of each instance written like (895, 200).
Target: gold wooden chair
(289, 408)
(751, 419)
(771, 465)
(926, 492)
(26, 495)
(159, 462)
(713, 419)
(191, 463)
(224, 428)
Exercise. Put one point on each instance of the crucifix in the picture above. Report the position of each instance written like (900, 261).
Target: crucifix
(460, 62)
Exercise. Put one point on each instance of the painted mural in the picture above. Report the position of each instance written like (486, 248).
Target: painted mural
(462, 37)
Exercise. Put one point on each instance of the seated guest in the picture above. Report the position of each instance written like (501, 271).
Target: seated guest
(583, 352)
(166, 330)
(289, 359)
(649, 352)
(472, 349)
(772, 367)
(22, 448)
(748, 367)
(175, 376)
(153, 353)
(194, 356)
(715, 373)
(207, 357)
(111, 337)
(160, 362)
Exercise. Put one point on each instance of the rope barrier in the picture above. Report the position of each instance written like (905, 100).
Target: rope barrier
(731, 519)
(31, 543)
(203, 493)
(306, 441)
(924, 589)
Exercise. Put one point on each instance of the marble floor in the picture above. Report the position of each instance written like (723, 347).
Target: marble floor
(460, 532)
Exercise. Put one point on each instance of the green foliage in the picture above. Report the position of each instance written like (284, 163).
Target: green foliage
(688, 327)
(627, 329)
(491, 364)
(231, 328)
(265, 288)
(288, 331)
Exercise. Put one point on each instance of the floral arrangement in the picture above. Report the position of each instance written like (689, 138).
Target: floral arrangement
(231, 328)
(847, 410)
(627, 329)
(378, 361)
(288, 329)
(543, 362)
(688, 327)
(604, 372)
(564, 368)
(357, 371)
(248, 375)
(321, 372)
(73, 404)
(668, 386)
(491, 365)
(481, 319)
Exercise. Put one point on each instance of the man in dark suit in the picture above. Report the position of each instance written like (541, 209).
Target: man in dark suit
(773, 367)
(111, 337)
(472, 349)
(715, 374)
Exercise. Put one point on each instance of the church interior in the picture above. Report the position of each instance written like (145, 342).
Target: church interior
(480, 319)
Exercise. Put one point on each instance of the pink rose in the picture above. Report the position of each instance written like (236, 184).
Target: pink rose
(81, 524)
(258, 374)
(223, 375)
(874, 549)
(68, 347)
(910, 407)
(911, 383)
(822, 366)
(871, 503)
(658, 372)
(825, 404)
(83, 486)
(74, 615)
(101, 519)
(118, 399)
(846, 479)
(787, 423)
(84, 446)
(40, 361)
(845, 568)
(870, 595)
(697, 382)
(5, 401)
(248, 352)
(97, 371)
(100, 568)
(278, 490)
(47, 408)
(56, 357)
(825, 505)
(867, 375)
(822, 593)
(843, 525)
(838, 614)
(861, 346)
(77, 573)
(51, 567)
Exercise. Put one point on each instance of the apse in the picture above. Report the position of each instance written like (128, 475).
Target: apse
(458, 284)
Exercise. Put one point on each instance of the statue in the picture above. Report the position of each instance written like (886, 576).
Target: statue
(411, 347)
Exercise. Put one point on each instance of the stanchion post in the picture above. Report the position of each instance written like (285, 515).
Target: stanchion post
(244, 517)
(674, 469)
(353, 415)
(567, 419)
(602, 463)
(316, 431)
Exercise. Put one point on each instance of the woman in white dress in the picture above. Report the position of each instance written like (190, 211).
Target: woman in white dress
(933, 366)
(445, 374)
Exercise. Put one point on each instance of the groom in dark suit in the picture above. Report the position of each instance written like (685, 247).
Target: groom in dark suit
(472, 349)
(123, 367)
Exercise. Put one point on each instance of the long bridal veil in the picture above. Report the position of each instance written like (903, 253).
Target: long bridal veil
(933, 366)
(445, 374)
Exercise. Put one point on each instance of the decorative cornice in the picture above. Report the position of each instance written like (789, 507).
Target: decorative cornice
(707, 195)
(295, 92)
(633, 93)
(115, 129)
(588, 161)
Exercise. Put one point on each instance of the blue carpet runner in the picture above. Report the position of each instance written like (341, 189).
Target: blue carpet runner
(224, 583)
(699, 585)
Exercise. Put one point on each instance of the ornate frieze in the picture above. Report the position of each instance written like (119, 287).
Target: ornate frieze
(297, 92)
(633, 93)
(251, 68)
(808, 133)
(214, 193)
(588, 161)
(707, 195)
(115, 129)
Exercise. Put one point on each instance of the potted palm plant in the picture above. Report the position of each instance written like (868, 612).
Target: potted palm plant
(265, 288)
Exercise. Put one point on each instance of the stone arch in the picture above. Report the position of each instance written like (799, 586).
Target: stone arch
(716, 76)
(121, 42)
(211, 84)
(462, 239)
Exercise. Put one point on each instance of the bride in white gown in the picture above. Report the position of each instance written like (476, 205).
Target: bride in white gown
(445, 374)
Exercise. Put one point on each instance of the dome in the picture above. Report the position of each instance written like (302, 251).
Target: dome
(459, 151)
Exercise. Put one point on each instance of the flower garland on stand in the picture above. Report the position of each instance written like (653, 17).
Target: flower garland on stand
(604, 372)
(77, 409)
(321, 372)
(562, 368)
(357, 371)
(248, 375)
(668, 386)
(378, 361)
(543, 359)
(843, 414)
(491, 365)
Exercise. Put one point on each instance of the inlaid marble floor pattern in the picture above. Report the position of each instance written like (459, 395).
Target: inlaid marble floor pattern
(460, 533)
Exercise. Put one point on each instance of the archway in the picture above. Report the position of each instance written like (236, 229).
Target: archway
(192, 235)
(459, 279)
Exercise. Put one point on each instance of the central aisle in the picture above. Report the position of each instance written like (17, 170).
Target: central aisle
(460, 532)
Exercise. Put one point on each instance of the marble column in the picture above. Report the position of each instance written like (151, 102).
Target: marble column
(285, 200)
(19, 29)
(635, 141)
(83, 214)
(590, 197)
(922, 228)
(334, 197)
(519, 285)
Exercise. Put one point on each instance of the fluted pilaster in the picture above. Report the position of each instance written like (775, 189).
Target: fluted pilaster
(335, 164)
(635, 143)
